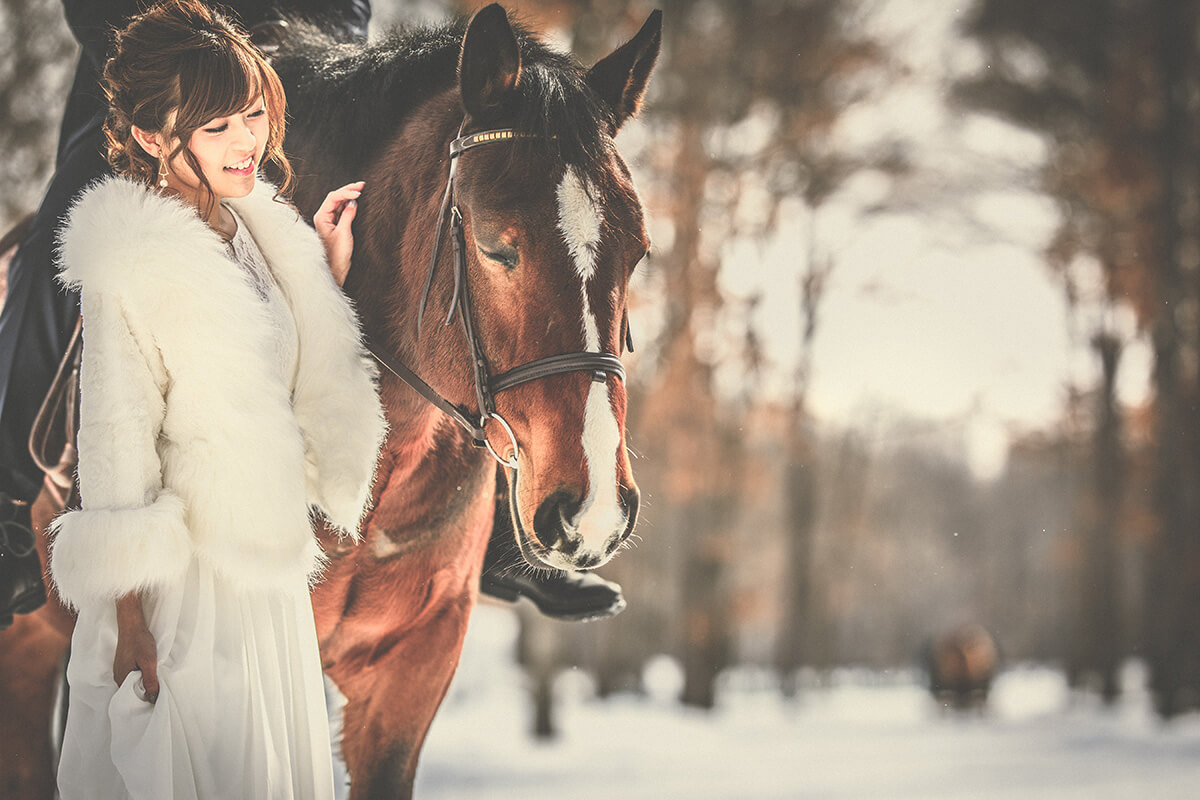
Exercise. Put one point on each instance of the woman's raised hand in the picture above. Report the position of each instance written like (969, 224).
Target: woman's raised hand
(136, 649)
(332, 221)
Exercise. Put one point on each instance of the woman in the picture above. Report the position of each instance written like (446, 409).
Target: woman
(225, 390)
(38, 317)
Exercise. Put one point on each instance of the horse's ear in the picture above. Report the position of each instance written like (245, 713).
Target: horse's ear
(490, 64)
(620, 78)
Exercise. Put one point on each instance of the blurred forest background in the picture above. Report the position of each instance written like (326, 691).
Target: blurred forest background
(789, 524)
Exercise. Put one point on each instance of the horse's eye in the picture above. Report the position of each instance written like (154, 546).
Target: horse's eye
(645, 257)
(506, 260)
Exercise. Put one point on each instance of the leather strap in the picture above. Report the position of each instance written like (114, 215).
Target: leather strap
(599, 363)
(459, 415)
(52, 437)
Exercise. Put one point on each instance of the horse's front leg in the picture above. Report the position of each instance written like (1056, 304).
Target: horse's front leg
(30, 655)
(392, 697)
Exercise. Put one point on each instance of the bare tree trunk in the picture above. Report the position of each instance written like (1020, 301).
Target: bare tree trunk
(36, 65)
(537, 651)
(800, 483)
(706, 638)
(1173, 581)
(705, 499)
(1098, 627)
(800, 618)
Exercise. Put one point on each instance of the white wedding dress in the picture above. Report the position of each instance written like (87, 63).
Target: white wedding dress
(241, 709)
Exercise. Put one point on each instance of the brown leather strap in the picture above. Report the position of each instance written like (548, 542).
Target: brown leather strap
(52, 438)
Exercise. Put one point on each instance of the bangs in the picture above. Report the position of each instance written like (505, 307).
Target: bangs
(223, 80)
(221, 77)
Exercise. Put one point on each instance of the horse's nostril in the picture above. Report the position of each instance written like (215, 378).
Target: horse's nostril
(588, 562)
(552, 518)
(567, 545)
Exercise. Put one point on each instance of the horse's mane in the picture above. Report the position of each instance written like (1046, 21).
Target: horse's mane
(339, 92)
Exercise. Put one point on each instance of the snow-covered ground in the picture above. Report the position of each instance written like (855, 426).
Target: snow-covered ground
(866, 736)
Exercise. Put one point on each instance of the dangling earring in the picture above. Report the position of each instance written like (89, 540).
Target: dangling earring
(162, 173)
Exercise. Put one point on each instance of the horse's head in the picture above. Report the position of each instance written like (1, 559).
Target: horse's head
(553, 230)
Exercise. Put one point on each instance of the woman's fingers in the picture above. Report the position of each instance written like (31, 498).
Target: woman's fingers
(348, 213)
(333, 222)
(328, 216)
(150, 679)
(350, 191)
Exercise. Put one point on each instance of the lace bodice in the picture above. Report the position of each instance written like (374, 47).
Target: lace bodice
(246, 254)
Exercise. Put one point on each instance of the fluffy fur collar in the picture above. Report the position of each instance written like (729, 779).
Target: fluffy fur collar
(246, 456)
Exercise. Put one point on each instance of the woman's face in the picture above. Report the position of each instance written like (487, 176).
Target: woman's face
(229, 151)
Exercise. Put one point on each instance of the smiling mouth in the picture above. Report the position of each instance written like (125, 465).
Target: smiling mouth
(244, 167)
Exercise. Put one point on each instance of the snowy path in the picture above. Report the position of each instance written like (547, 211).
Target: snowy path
(854, 740)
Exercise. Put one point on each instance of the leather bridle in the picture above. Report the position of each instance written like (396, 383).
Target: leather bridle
(487, 386)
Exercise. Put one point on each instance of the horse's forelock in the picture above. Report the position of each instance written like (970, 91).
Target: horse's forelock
(563, 114)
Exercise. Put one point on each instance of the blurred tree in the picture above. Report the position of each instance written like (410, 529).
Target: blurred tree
(1115, 89)
(35, 74)
(751, 96)
(1100, 641)
(539, 651)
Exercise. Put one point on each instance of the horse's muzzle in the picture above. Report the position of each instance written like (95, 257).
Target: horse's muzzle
(565, 537)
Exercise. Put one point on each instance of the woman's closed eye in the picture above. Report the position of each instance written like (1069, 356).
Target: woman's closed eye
(224, 126)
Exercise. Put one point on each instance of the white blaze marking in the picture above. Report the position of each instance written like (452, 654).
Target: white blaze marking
(579, 221)
(600, 516)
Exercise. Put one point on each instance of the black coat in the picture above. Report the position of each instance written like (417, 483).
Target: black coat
(93, 22)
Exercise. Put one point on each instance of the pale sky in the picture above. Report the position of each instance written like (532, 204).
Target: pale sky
(925, 315)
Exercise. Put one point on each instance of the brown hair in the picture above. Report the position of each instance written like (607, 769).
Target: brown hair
(182, 56)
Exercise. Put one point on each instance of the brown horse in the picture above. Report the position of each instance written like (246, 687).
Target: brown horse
(552, 230)
(962, 663)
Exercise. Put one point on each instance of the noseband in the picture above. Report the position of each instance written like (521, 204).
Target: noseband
(487, 386)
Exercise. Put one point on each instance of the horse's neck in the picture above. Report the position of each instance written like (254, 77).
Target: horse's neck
(438, 478)
(422, 545)
(396, 229)
(425, 447)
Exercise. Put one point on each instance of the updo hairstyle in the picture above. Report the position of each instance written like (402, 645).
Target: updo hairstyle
(182, 56)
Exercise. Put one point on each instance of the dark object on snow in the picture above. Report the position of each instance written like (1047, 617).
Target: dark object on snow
(962, 663)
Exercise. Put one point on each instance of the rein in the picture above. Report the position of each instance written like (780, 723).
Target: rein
(487, 386)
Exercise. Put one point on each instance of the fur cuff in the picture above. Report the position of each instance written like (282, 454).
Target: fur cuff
(343, 502)
(102, 554)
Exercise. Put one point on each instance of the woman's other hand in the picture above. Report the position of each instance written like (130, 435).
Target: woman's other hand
(136, 649)
(332, 221)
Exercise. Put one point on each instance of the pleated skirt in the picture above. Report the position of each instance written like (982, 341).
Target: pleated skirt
(241, 708)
